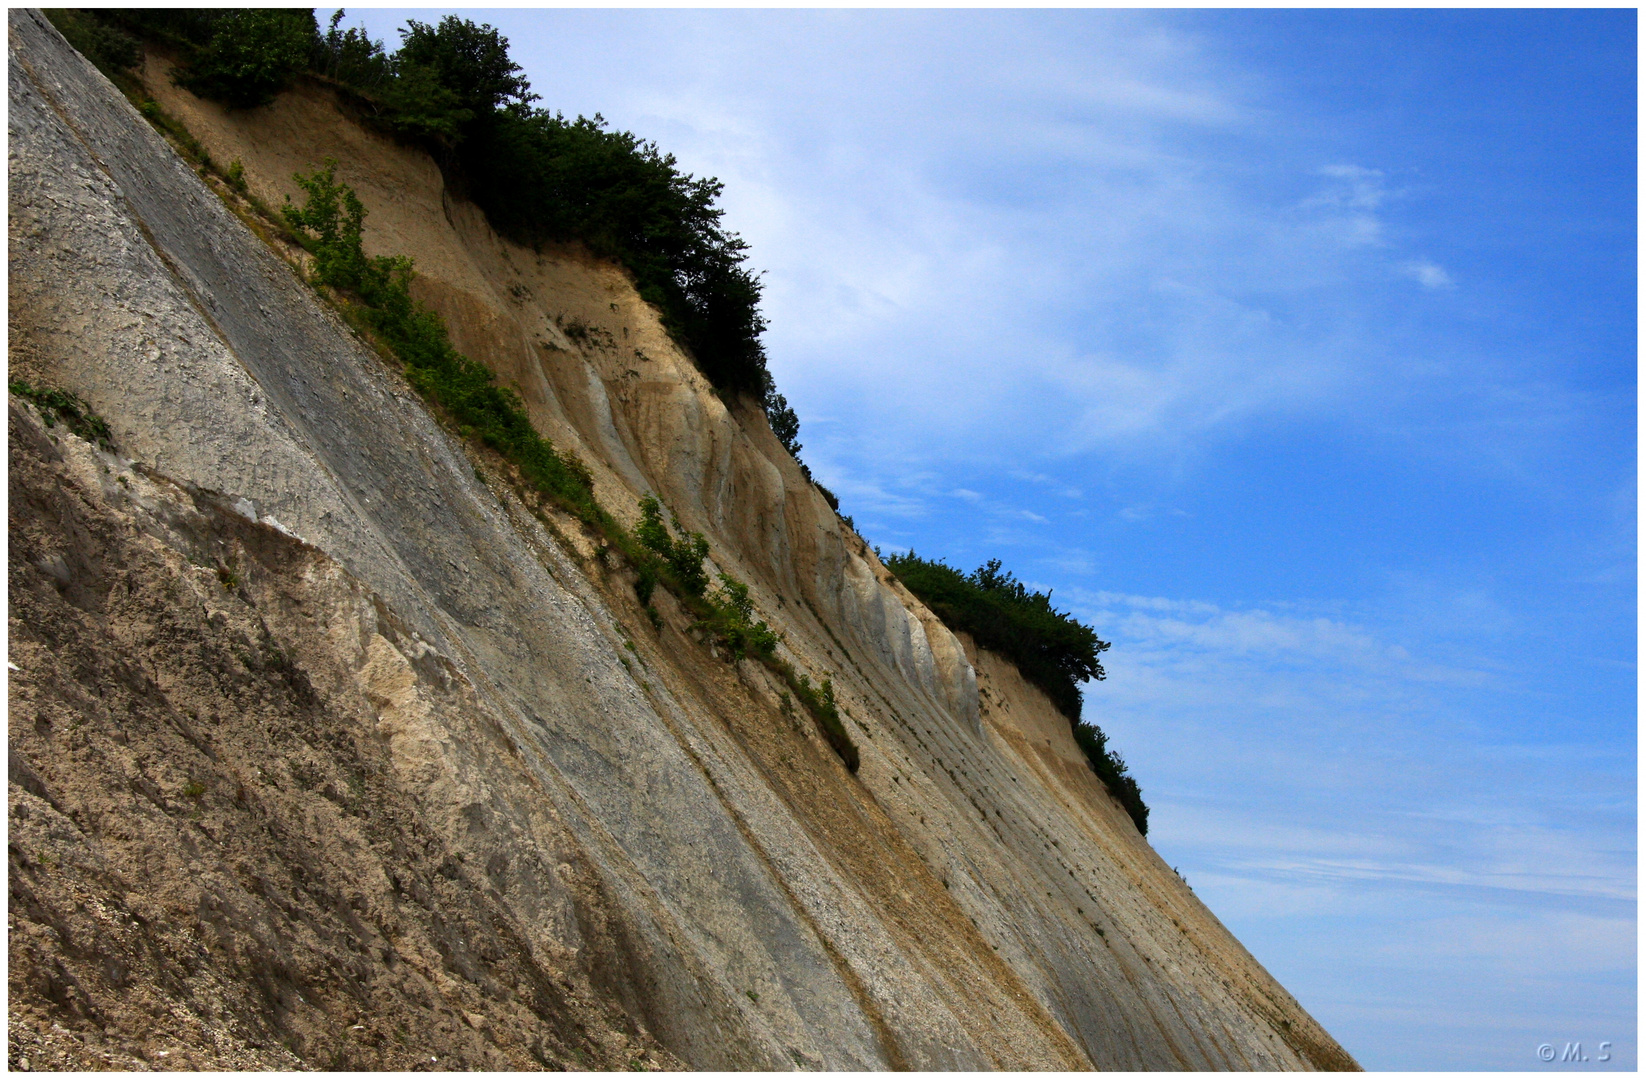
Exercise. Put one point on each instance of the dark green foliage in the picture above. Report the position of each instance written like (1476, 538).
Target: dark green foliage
(416, 103)
(683, 557)
(1051, 649)
(734, 623)
(330, 222)
(785, 424)
(472, 62)
(819, 701)
(101, 42)
(353, 58)
(542, 178)
(828, 496)
(60, 406)
(181, 28)
(249, 55)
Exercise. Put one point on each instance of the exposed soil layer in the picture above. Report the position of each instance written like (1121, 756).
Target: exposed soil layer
(216, 862)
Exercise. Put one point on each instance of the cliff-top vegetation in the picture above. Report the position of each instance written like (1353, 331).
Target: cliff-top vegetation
(1052, 649)
(539, 176)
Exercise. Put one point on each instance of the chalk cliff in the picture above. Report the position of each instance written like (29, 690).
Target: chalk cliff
(330, 748)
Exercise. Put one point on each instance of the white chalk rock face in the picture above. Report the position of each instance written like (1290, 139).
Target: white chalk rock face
(971, 898)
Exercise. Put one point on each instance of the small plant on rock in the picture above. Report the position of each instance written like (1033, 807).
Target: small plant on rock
(71, 410)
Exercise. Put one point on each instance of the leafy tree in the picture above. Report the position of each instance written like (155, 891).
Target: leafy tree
(352, 57)
(785, 424)
(471, 61)
(420, 104)
(1053, 650)
(251, 54)
(335, 217)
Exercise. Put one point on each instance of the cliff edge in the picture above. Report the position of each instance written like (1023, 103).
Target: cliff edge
(331, 748)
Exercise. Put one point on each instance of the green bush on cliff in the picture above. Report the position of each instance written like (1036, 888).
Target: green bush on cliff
(819, 701)
(1052, 649)
(71, 409)
(683, 556)
(727, 613)
(1110, 767)
(251, 55)
(734, 623)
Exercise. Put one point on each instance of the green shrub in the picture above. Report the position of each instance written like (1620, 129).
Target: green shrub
(332, 221)
(684, 557)
(250, 55)
(60, 406)
(734, 623)
(785, 424)
(727, 613)
(819, 701)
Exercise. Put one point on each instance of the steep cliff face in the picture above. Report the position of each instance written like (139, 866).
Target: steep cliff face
(351, 755)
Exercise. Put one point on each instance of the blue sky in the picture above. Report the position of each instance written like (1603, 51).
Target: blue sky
(1293, 350)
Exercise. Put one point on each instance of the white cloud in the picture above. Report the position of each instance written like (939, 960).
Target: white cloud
(1428, 274)
(1360, 187)
(1032, 245)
